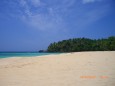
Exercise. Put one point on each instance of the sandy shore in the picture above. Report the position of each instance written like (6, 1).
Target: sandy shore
(71, 69)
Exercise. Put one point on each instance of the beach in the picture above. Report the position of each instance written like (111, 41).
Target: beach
(68, 69)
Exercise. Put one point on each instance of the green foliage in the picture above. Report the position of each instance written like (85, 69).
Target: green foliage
(83, 44)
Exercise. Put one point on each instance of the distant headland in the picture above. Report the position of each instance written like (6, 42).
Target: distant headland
(82, 44)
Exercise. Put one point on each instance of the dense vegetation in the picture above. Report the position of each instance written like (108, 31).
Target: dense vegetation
(83, 44)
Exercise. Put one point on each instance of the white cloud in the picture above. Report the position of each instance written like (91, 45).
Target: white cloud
(36, 3)
(90, 1)
(23, 2)
(43, 22)
(68, 3)
(50, 18)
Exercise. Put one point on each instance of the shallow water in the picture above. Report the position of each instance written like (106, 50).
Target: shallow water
(20, 54)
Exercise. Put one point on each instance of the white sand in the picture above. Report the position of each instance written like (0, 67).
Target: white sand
(72, 69)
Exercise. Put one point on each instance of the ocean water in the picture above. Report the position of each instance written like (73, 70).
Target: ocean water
(19, 54)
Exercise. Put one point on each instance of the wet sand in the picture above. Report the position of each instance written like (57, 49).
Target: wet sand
(70, 69)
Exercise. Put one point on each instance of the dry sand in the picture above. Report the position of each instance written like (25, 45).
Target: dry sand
(71, 69)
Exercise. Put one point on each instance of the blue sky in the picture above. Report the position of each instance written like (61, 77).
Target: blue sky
(31, 25)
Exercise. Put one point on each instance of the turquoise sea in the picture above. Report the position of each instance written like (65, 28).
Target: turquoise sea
(20, 54)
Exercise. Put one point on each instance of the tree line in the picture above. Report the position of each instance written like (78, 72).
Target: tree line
(83, 44)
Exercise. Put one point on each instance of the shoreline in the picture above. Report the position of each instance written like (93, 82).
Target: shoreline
(54, 54)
